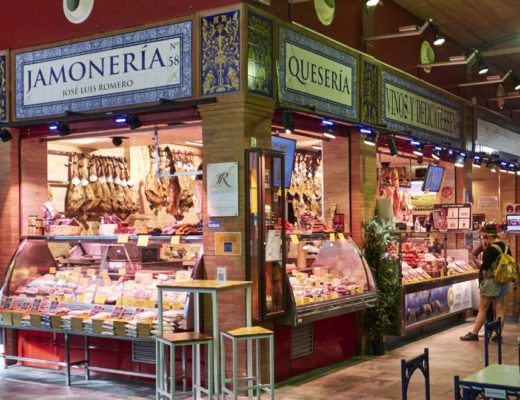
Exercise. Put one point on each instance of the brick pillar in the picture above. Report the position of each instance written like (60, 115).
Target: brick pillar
(227, 129)
(363, 175)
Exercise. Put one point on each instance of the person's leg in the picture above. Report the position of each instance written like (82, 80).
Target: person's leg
(483, 306)
(499, 309)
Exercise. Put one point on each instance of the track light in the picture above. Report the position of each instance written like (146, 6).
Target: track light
(518, 170)
(63, 129)
(477, 161)
(516, 82)
(315, 147)
(330, 132)
(436, 155)
(327, 122)
(287, 122)
(370, 139)
(438, 36)
(53, 127)
(482, 67)
(120, 120)
(418, 150)
(512, 169)
(133, 122)
(392, 146)
(372, 3)
(5, 135)
(503, 166)
(460, 160)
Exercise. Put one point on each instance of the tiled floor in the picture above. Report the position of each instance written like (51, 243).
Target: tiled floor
(374, 379)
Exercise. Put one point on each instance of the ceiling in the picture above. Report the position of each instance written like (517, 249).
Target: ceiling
(486, 25)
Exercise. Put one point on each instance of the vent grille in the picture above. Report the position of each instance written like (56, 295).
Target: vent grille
(143, 352)
(301, 341)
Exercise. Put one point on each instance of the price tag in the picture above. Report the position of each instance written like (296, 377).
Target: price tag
(8, 302)
(100, 299)
(33, 270)
(22, 296)
(299, 301)
(123, 239)
(119, 301)
(333, 274)
(138, 311)
(342, 237)
(117, 312)
(52, 297)
(175, 239)
(69, 299)
(83, 281)
(61, 298)
(332, 237)
(91, 271)
(314, 299)
(334, 295)
(80, 298)
(77, 270)
(140, 303)
(25, 305)
(279, 191)
(143, 240)
(95, 310)
(128, 301)
(39, 297)
(52, 270)
(167, 304)
(121, 271)
(294, 238)
(306, 300)
(149, 303)
(54, 306)
(324, 297)
(176, 305)
(36, 305)
(104, 272)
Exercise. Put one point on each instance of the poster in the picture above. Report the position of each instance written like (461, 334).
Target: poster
(222, 189)
(228, 243)
(488, 202)
(452, 217)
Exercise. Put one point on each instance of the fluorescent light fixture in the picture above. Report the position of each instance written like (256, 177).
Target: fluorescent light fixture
(53, 127)
(198, 144)
(438, 148)
(477, 161)
(316, 147)
(460, 160)
(327, 122)
(120, 120)
(365, 131)
(503, 166)
(415, 142)
(370, 140)
(436, 155)
(330, 132)
(419, 150)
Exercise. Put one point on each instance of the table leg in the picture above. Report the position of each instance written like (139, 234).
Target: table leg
(87, 361)
(214, 304)
(67, 360)
(248, 306)
(4, 335)
(250, 366)
(196, 351)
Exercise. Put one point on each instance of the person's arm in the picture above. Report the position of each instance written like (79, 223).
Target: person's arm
(476, 253)
(489, 256)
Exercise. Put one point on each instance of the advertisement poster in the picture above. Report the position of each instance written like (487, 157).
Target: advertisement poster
(452, 217)
(222, 189)
(272, 248)
(421, 200)
(228, 243)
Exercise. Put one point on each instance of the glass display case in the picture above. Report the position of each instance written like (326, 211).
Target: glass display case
(103, 278)
(265, 229)
(326, 276)
(436, 276)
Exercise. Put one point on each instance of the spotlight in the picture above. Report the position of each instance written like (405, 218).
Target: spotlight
(419, 150)
(120, 120)
(482, 68)
(370, 139)
(439, 37)
(63, 129)
(436, 155)
(503, 166)
(392, 146)
(133, 121)
(5, 135)
(316, 147)
(118, 140)
(287, 122)
(512, 169)
(415, 142)
(53, 127)
(516, 82)
(460, 160)
(365, 131)
(327, 122)
(477, 161)
(494, 168)
(372, 3)
(518, 170)
(330, 132)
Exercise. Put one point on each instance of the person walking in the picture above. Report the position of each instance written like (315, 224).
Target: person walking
(490, 290)
(477, 259)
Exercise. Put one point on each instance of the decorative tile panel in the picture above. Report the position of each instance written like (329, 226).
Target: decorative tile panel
(220, 53)
(133, 68)
(3, 87)
(259, 55)
(370, 93)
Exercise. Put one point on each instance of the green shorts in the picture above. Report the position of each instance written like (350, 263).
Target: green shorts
(490, 288)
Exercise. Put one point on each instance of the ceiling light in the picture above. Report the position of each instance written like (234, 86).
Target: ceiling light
(133, 122)
(512, 169)
(63, 129)
(518, 170)
(415, 142)
(419, 150)
(365, 131)
(330, 132)
(120, 120)
(503, 166)
(53, 127)
(316, 147)
(327, 122)
(287, 122)
(436, 155)
(494, 168)
(372, 3)
(5, 135)
(516, 82)
(438, 36)
(370, 139)
(198, 144)
(392, 146)
(460, 160)
(482, 67)
(477, 161)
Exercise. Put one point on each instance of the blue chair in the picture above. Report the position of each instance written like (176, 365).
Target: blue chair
(489, 328)
(408, 368)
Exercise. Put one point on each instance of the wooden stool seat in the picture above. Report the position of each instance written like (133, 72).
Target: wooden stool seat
(183, 337)
(249, 331)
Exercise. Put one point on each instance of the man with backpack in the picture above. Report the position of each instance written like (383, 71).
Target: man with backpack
(495, 261)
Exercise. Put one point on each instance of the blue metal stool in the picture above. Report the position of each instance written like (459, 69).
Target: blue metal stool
(408, 368)
(256, 333)
(489, 328)
(165, 383)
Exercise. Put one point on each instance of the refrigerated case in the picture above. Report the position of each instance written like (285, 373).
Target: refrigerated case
(326, 276)
(437, 277)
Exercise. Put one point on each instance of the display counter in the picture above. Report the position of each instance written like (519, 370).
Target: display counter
(436, 278)
(326, 278)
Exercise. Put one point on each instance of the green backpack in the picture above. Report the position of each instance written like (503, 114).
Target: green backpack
(505, 266)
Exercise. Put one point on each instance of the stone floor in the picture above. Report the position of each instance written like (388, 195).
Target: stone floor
(374, 378)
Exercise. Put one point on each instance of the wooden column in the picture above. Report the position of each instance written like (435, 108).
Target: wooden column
(227, 129)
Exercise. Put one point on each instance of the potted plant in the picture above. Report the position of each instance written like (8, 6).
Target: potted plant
(380, 237)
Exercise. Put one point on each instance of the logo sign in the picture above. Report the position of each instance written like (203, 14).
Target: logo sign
(222, 189)
(215, 224)
(314, 74)
(133, 68)
(228, 243)
(405, 105)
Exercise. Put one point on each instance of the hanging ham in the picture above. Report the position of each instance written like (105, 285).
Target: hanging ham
(75, 196)
(153, 191)
(106, 197)
(173, 188)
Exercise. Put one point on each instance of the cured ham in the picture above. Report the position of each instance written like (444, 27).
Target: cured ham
(94, 182)
(75, 196)
(153, 188)
(173, 188)
(90, 200)
(106, 197)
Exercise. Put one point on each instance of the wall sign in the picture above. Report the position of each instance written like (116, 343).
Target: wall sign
(222, 189)
(133, 68)
(214, 224)
(493, 136)
(310, 73)
(405, 104)
(228, 243)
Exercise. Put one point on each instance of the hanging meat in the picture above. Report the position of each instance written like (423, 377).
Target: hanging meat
(153, 189)
(106, 196)
(88, 191)
(109, 174)
(94, 182)
(120, 200)
(75, 196)
(174, 187)
(129, 187)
